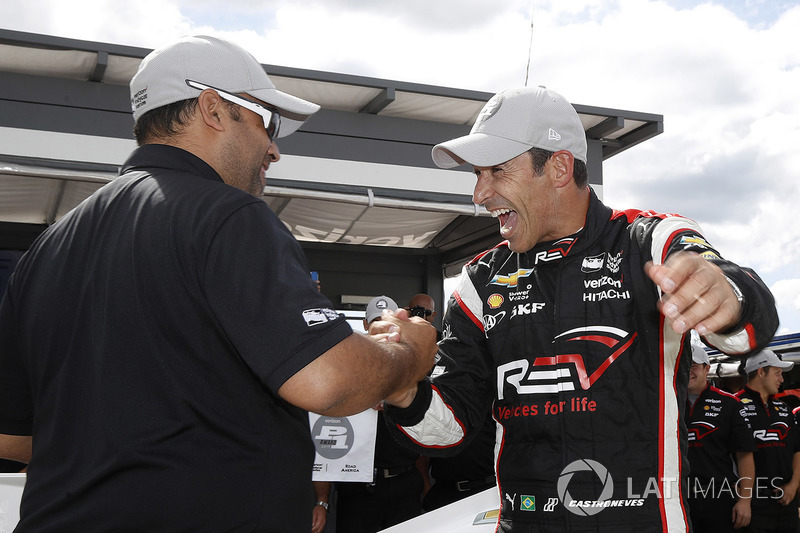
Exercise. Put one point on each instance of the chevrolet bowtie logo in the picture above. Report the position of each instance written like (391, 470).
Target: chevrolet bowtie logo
(510, 280)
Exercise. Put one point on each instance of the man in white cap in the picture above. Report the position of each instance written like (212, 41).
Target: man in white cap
(573, 332)
(721, 450)
(777, 456)
(163, 342)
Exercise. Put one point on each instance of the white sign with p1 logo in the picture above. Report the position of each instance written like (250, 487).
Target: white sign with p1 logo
(345, 446)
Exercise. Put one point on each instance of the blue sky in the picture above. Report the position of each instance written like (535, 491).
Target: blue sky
(724, 74)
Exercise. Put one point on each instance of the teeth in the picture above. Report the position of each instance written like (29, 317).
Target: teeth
(499, 212)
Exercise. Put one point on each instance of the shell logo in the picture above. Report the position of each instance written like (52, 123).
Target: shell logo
(495, 301)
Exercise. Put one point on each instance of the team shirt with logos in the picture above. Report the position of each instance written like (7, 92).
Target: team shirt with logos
(566, 349)
(717, 429)
(777, 440)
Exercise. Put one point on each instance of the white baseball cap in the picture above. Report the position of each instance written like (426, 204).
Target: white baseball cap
(511, 123)
(161, 78)
(766, 358)
(376, 306)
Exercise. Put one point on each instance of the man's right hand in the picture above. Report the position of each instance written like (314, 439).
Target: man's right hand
(416, 333)
(363, 369)
(402, 398)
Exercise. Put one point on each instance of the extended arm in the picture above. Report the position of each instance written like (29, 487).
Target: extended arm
(360, 371)
(727, 304)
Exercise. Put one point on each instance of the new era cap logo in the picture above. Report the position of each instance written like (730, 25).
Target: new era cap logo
(553, 135)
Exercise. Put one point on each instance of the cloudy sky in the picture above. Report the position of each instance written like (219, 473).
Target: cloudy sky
(725, 74)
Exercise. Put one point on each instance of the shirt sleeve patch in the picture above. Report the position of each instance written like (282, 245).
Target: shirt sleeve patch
(315, 317)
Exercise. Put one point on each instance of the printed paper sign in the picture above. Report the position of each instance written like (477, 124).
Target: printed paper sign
(345, 446)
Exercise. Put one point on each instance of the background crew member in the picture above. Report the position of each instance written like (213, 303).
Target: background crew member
(777, 456)
(471, 470)
(721, 450)
(161, 343)
(423, 306)
(574, 330)
(396, 490)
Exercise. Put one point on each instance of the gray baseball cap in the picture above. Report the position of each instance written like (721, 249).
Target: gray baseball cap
(511, 123)
(376, 306)
(766, 358)
(161, 78)
(699, 355)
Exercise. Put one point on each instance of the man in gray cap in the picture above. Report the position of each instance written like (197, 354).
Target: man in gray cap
(777, 456)
(721, 450)
(573, 332)
(163, 342)
(394, 495)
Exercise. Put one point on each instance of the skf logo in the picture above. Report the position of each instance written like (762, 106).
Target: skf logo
(526, 308)
(510, 280)
(495, 301)
(537, 378)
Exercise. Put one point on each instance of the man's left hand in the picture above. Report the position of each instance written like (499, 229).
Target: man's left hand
(696, 294)
(788, 493)
(741, 513)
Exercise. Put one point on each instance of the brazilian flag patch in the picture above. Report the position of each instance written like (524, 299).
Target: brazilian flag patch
(528, 503)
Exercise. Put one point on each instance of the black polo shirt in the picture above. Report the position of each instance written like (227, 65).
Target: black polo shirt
(775, 434)
(717, 429)
(143, 340)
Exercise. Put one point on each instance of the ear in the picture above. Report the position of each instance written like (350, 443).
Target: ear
(563, 163)
(209, 106)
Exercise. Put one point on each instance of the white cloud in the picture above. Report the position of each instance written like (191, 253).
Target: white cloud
(787, 297)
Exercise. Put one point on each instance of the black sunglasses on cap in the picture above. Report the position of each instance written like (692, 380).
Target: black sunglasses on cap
(271, 117)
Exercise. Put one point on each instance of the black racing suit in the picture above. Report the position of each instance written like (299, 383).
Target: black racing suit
(777, 442)
(718, 430)
(586, 380)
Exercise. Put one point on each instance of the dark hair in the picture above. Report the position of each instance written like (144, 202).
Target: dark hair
(540, 156)
(169, 120)
(749, 375)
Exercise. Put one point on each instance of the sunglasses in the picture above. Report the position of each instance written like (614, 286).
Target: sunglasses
(419, 311)
(271, 117)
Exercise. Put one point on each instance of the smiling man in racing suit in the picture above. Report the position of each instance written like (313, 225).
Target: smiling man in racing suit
(573, 333)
